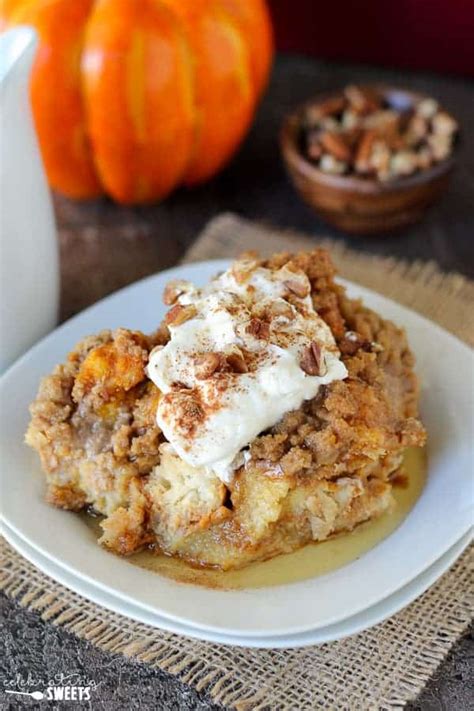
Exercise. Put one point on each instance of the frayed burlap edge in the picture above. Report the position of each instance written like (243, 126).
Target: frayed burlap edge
(382, 668)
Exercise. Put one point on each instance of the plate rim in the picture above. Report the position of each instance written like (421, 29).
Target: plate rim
(317, 636)
(215, 264)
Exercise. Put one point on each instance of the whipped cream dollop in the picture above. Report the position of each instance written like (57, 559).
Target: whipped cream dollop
(243, 351)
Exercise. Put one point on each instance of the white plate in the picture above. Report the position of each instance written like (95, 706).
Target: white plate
(350, 626)
(441, 516)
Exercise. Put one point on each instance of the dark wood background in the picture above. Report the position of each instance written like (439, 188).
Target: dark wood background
(105, 246)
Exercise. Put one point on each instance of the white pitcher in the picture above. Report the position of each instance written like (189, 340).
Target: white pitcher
(29, 274)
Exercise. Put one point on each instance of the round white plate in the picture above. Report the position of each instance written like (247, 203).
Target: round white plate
(441, 516)
(350, 626)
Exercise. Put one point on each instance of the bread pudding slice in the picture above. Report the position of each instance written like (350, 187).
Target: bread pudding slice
(93, 424)
(216, 483)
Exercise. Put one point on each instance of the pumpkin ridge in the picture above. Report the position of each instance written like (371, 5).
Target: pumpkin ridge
(189, 61)
(140, 113)
(254, 19)
(234, 32)
(135, 85)
(225, 100)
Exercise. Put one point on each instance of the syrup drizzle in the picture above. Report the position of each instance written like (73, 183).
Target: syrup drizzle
(308, 562)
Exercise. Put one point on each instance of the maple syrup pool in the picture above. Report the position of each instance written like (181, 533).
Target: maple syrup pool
(307, 562)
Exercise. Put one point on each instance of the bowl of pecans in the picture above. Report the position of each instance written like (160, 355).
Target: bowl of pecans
(372, 158)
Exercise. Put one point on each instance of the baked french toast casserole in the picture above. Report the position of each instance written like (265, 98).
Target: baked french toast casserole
(267, 411)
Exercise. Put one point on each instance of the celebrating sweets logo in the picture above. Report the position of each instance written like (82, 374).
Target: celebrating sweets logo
(62, 687)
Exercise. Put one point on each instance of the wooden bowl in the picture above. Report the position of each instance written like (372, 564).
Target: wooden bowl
(357, 204)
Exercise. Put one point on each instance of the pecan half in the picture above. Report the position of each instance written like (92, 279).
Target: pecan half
(173, 290)
(364, 150)
(179, 314)
(335, 144)
(311, 359)
(236, 362)
(206, 365)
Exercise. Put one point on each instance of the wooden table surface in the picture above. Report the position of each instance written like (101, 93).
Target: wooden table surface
(104, 247)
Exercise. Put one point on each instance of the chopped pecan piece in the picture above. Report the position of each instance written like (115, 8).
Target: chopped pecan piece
(403, 163)
(299, 288)
(444, 124)
(364, 150)
(311, 359)
(173, 291)
(179, 314)
(376, 137)
(188, 409)
(258, 328)
(380, 160)
(236, 362)
(335, 144)
(280, 308)
(206, 365)
(242, 270)
(352, 342)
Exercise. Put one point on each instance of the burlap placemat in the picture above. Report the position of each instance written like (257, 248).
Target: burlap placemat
(382, 668)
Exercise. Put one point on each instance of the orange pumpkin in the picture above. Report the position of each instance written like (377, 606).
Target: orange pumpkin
(135, 97)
